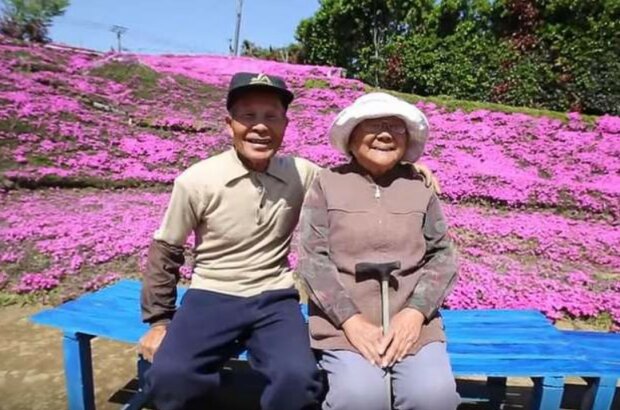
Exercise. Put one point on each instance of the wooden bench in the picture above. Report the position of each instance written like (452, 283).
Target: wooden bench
(603, 347)
(492, 343)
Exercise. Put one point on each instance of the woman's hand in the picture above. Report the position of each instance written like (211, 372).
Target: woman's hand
(404, 331)
(364, 336)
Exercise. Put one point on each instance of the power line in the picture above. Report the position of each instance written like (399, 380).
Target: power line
(137, 33)
(84, 23)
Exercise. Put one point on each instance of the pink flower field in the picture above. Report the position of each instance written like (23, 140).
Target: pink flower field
(89, 145)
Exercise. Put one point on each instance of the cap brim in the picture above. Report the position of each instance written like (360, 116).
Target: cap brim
(286, 96)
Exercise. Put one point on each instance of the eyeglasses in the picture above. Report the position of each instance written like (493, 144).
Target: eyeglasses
(376, 127)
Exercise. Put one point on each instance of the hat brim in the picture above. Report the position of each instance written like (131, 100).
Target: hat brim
(285, 96)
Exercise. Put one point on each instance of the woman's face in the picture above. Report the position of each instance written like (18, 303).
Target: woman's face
(379, 144)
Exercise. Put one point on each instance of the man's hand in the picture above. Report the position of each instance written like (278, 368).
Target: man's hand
(364, 336)
(149, 343)
(404, 331)
(429, 177)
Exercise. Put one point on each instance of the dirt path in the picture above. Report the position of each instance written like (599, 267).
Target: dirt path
(31, 369)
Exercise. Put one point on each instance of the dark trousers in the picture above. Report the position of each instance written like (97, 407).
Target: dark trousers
(210, 327)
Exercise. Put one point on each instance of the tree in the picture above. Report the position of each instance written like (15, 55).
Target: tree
(288, 54)
(30, 19)
(353, 34)
(554, 54)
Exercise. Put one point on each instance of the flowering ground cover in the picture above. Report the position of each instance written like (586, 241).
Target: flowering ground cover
(534, 201)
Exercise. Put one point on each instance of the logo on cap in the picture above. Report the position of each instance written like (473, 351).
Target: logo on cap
(261, 79)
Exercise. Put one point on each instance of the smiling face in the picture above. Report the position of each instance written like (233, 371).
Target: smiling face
(257, 123)
(379, 144)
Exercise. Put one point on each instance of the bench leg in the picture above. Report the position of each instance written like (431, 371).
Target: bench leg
(137, 402)
(600, 394)
(548, 392)
(143, 366)
(78, 371)
(139, 399)
(497, 392)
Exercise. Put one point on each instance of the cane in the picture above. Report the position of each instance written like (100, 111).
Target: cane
(383, 270)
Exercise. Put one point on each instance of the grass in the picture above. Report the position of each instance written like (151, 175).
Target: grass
(71, 286)
(7, 164)
(9, 299)
(17, 126)
(315, 83)
(197, 86)
(452, 104)
(200, 94)
(39, 160)
(34, 261)
(54, 181)
(144, 80)
(29, 63)
(602, 322)
(567, 210)
(145, 83)
(196, 126)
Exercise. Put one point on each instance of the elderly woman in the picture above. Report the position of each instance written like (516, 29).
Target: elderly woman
(377, 209)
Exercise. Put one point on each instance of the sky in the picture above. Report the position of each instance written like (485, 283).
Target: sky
(179, 26)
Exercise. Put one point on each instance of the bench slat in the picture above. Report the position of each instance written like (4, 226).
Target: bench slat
(507, 366)
(482, 335)
(600, 345)
(127, 327)
(129, 290)
(523, 351)
(92, 324)
(113, 312)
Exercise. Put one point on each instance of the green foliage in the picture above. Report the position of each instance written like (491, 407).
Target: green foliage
(288, 54)
(33, 261)
(30, 19)
(14, 125)
(586, 56)
(126, 71)
(341, 30)
(315, 83)
(452, 104)
(26, 62)
(465, 64)
(53, 181)
(546, 54)
(40, 160)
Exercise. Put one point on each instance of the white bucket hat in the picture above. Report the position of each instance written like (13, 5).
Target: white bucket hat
(377, 105)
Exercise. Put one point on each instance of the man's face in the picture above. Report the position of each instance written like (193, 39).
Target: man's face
(257, 123)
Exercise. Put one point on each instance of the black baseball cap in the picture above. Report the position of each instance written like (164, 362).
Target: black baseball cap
(243, 82)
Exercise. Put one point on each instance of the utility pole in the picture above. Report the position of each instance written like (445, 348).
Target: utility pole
(119, 30)
(238, 28)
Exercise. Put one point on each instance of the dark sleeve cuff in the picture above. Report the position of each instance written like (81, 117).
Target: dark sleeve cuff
(159, 291)
(160, 322)
(428, 311)
(343, 310)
